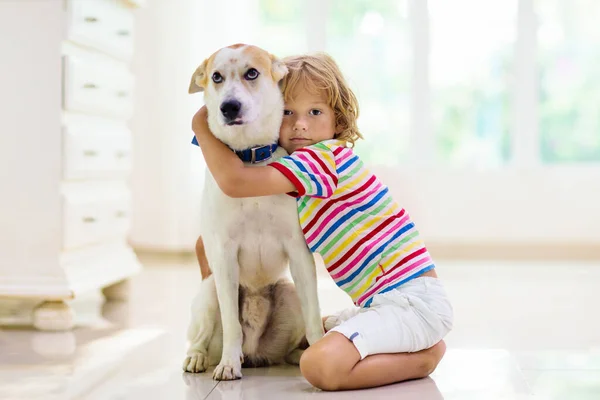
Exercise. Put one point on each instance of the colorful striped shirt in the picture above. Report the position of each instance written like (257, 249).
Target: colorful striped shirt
(369, 243)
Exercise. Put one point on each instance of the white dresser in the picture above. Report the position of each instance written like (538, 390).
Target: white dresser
(66, 96)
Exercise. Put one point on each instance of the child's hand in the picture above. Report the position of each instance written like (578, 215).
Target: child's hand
(200, 122)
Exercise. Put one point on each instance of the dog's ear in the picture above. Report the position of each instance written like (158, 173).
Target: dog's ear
(278, 68)
(199, 79)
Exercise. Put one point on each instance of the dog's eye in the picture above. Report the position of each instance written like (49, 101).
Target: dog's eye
(217, 77)
(251, 74)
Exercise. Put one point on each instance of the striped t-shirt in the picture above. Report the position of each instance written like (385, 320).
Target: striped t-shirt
(368, 243)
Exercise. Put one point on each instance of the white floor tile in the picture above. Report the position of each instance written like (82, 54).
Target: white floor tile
(522, 331)
(564, 385)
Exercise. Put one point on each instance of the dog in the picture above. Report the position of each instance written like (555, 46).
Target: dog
(247, 310)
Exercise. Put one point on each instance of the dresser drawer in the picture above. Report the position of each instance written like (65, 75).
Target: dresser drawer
(97, 88)
(106, 25)
(95, 215)
(96, 151)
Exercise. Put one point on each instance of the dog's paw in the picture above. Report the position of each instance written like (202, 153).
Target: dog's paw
(228, 371)
(195, 362)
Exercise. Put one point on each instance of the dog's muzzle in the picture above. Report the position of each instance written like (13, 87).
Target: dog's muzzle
(231, 111)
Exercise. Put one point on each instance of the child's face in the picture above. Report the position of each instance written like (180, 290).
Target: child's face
(307, 120)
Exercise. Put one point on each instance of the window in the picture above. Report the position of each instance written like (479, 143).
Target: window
(281, 27)
(471, 64)
(568, 59)
(369, 40)
(471, 88)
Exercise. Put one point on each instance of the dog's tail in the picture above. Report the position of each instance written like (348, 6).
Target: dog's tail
(255, 309)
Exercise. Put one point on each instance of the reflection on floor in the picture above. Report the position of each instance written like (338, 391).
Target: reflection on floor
(522, 331)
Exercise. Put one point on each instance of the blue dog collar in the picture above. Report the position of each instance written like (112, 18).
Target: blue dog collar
(257, 154)
(252, 155)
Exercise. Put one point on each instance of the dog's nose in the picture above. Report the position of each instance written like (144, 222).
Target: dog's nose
(231, 109)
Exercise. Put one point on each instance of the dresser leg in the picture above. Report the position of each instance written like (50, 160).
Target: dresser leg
(53, 316)
(118, 291)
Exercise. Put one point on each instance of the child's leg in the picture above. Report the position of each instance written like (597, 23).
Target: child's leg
(384, 343)
(333, 363)
(202, 261)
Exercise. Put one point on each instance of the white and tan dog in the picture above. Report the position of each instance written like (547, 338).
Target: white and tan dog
(249, 241)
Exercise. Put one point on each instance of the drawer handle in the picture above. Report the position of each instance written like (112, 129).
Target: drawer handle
(90, 86)
(89, 220)
(90, 153)
(123, 33)
(91, 19)
(122, 93)
(120, 214)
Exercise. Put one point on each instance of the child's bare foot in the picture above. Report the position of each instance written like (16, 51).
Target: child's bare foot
(331, 321)
(435, 353)
(325, 319)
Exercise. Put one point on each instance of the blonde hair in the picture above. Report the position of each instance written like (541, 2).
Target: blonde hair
(319, 72)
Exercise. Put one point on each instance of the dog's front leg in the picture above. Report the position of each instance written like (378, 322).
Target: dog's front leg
(202, 326)
(226, 274)
(304, 273)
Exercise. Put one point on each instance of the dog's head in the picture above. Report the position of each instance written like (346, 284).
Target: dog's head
(242, 94)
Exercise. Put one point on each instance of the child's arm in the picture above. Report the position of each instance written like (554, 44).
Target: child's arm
(232, 176)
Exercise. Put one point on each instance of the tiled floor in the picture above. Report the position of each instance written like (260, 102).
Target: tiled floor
(522, 331)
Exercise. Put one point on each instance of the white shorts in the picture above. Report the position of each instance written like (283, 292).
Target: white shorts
(410, 318)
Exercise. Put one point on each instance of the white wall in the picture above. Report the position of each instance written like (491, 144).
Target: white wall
(534, 205)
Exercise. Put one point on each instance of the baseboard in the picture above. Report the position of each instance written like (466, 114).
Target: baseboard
(515, 251)
(443, 250)
(153, 257)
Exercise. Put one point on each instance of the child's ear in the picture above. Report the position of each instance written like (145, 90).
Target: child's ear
(278, 68)
(199, 79)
